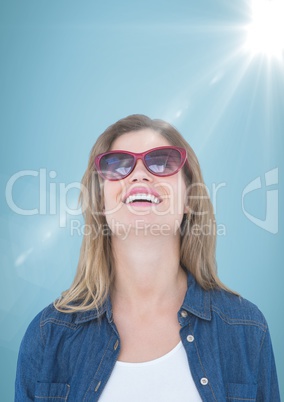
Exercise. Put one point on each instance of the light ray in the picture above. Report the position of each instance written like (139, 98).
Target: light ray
(22, 257)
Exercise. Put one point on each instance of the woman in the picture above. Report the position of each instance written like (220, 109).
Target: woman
(146, 318)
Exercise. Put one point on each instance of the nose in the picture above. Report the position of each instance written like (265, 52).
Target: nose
(140, 173)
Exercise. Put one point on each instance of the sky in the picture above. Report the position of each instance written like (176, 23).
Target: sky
(68, 70)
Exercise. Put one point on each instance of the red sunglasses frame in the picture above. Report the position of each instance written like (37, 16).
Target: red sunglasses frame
(140, 155)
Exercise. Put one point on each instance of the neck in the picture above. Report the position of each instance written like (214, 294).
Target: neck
(147, 271)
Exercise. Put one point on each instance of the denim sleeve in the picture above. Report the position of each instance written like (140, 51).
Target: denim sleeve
(29, 362)
(268, 389)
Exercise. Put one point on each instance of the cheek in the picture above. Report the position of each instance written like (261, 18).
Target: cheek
(174, 192)
(112, 193)
(179, 192)
(180, 199)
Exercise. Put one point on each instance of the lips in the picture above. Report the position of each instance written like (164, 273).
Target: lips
(142, 194)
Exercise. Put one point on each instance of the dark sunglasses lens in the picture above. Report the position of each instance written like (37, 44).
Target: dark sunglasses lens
(163, 162)
(116, 166)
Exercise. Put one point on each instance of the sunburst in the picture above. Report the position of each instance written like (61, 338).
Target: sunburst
(265, 33)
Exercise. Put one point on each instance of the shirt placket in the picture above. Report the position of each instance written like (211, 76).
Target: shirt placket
(105, 367)
(200, 373)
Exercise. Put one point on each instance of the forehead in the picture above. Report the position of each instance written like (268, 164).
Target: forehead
(140, 141)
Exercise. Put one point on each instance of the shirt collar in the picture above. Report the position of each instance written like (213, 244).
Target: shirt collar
(96, 313)
(197, 302)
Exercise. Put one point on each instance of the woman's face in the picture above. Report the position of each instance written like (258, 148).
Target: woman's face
(165, 213)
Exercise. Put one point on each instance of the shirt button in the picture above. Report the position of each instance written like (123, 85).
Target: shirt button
(204, 381)
(184, 313)
(116, 345)
(190, 338)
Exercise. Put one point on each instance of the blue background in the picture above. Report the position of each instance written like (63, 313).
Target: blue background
(68, 70)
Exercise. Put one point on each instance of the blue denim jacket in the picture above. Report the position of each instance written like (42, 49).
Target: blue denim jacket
(70, 357)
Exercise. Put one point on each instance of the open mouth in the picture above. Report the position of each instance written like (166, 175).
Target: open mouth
(145, 198)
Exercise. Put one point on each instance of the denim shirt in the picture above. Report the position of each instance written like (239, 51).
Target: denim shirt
(70, 357)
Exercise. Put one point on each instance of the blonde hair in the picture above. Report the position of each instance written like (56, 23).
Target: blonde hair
(95, 275)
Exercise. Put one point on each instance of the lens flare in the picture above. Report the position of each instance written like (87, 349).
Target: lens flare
(265, 33)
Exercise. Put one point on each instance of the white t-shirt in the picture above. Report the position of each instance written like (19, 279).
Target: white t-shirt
(166, 379)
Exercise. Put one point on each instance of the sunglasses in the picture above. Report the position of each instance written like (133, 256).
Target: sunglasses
(161, 162)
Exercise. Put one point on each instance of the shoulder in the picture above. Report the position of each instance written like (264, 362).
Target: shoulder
(221, 304)
(49, 315)
(236, 310)
(72, 320)
(48, 325)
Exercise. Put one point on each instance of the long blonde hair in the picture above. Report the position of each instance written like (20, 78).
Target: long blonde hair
(95, 275)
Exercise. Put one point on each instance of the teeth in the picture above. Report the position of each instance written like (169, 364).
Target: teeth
(142, 197)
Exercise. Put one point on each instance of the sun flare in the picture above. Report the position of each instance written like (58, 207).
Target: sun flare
(265, 33)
